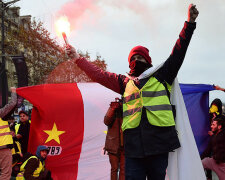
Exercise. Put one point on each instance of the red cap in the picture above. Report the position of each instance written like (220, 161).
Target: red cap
(143, 51)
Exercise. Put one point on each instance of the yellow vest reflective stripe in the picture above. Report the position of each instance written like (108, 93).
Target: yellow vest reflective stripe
(18, 145)
(5, 134)
(153, 96)
(17, 126)
(37, 172)
(19, 176)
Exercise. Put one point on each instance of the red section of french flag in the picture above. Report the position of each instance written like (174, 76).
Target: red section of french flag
(60, 105)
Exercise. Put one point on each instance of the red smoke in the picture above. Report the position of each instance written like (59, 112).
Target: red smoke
(80, 12)
(75, 11)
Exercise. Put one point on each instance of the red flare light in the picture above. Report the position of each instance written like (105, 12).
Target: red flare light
(65, 38)
(63, 28)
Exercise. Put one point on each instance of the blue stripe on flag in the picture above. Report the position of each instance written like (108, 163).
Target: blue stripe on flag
(196, 98)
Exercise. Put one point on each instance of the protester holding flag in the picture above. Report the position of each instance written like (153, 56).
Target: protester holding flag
(6, 141)
(148, 116)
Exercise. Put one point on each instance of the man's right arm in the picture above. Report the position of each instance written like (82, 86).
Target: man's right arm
(109, 117)
(110, 80)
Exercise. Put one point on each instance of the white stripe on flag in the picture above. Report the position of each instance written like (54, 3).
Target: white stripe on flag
(93, 164)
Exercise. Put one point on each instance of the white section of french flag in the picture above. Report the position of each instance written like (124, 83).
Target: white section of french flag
(93, 164)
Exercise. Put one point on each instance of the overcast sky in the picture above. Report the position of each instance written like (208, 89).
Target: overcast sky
(110, 28)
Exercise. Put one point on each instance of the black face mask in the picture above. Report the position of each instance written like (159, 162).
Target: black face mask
(138, 67)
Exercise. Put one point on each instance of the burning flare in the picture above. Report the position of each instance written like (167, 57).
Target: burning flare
(63, 28)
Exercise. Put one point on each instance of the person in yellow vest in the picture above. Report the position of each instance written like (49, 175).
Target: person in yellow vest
(148, 116)
(16, 155)
(17, 126)
(22, 131)
(34, 167)
(6, 141)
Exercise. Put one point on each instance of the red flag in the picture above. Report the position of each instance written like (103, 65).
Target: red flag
(58, 122)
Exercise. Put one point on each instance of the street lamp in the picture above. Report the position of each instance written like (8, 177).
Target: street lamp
(4, 84)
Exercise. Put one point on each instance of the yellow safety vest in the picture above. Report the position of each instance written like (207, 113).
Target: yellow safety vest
(18, 145)
(153, 96)
(5, 134)
(17, 126)
(36, 173)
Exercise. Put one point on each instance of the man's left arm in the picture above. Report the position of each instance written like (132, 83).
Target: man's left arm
(175, 60)
(7, 108)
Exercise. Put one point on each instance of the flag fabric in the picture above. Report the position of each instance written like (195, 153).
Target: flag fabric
(68, 118)
(58, 122)
(196, 98)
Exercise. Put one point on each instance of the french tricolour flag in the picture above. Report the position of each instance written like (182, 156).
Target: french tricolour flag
(68, 118)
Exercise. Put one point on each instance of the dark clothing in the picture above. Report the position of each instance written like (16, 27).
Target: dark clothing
(24, 131)
(114, 140)
(113, 119)
(216, 148)
(146, 139)
(117, 163)
(31, 166)
(152, 166)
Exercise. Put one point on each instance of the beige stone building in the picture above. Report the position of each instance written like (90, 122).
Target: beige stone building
(12, 21)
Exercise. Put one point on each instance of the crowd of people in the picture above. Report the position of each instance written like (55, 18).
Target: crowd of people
(16, 163)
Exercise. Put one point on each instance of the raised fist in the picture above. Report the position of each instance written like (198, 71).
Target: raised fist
(192, 13)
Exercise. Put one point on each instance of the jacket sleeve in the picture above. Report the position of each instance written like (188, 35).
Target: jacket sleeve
(208, 151)
(110, 116)
(172, 65)
(105, 78)
(8, 107)
(30, 167)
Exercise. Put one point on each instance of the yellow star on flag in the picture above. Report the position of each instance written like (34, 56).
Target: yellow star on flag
(53, 134)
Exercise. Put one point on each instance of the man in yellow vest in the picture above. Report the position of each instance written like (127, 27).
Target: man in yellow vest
(34, 166)
(6, 141)
(22, 134)
(148, 115)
